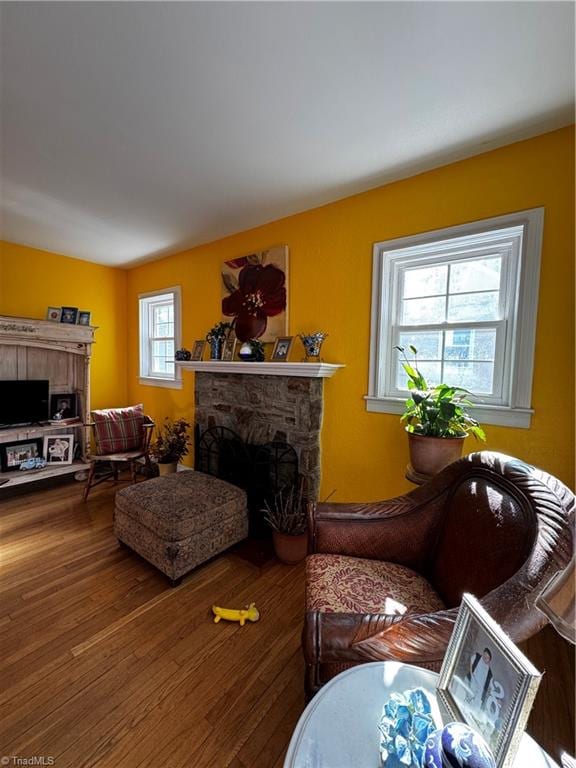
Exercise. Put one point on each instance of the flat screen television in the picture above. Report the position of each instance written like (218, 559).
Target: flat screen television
(23, 402)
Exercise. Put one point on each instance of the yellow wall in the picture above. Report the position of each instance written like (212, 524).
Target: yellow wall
(365, 454)
(32, 280)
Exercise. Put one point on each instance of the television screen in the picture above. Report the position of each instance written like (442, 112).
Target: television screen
(23, 402)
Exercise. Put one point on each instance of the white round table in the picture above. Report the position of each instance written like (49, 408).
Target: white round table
(339, 727)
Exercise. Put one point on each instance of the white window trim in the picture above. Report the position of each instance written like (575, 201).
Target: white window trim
(169, 382)
(519, 411)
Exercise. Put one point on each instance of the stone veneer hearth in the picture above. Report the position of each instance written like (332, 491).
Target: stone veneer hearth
(263, 408)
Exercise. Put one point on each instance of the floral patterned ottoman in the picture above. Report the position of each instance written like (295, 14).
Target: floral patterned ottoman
(179, 521)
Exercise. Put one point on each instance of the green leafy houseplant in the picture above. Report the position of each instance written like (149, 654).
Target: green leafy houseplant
(218, 332)
(172, 441)
(438, 411)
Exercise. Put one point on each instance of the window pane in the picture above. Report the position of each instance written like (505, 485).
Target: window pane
(475, 275)
(164, 329)
(170, 367)
(170, 349)
(427, 281)
(428, 344)
(473, 306)
(159, 349)
(423, 311)
(472, 344)
(159, 364)
(430, 371)
(476, 377)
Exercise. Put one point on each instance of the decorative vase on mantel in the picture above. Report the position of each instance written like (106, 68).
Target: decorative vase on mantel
(312, 344)
(216, 347)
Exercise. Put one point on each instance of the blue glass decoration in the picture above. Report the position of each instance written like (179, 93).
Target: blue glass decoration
(405, 727)
(457, 746)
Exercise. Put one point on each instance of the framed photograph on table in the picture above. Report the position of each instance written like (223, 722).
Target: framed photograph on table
(59, 449)
(281, 349)
(198, 350)
(487, 682)
(15, 453)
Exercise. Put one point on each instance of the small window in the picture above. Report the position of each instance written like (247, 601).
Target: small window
(466, 299)
(159, 337)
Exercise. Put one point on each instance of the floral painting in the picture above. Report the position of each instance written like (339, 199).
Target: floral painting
(255, 294)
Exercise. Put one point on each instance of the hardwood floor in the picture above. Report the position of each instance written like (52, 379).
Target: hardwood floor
(104, 665)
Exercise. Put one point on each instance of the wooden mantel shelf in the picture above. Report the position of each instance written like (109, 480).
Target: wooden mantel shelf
(308, 370)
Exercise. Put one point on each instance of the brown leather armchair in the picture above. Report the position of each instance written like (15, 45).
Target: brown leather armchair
(384, 580)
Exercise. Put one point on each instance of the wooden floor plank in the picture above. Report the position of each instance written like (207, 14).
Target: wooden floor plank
(104, 666)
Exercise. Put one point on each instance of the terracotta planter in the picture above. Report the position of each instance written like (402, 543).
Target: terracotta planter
(167, 469)
(428, 455)
(290, 549)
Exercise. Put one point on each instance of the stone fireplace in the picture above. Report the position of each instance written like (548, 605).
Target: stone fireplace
(265, 409)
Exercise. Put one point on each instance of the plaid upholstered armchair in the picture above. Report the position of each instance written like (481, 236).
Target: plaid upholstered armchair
(385, 579)
(122, 439)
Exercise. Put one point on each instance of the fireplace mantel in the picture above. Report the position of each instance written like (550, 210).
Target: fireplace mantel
(307, 370)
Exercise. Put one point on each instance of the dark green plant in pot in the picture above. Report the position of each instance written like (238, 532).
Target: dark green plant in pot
(438, 411)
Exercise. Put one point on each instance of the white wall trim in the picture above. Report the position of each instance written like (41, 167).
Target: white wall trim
(517, 408)
(174, 382)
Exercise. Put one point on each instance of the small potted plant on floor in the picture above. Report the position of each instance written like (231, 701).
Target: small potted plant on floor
(286, 515)
(171, 445)
(436, 420)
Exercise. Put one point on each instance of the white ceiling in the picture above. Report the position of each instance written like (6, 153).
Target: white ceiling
(132, 130)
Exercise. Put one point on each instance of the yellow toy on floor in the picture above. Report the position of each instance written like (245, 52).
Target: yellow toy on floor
(231, 614)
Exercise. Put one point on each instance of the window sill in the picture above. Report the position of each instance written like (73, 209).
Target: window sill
(486, 414)
(150, 381)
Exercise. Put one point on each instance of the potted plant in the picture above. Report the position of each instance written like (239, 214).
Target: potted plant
(216, 337)
(436, 420)
(286, 515)
(170, 445)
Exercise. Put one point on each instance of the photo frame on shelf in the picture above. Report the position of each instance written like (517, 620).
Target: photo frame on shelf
(69, 315)
(12, 454)
(54, 314)
(63, 406)
(83, 317)
(58, 449)
(229, 348)
(281, 350)
(487, 682)
(198, 349)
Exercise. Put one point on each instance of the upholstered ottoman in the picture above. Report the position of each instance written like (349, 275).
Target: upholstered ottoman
(178, 521)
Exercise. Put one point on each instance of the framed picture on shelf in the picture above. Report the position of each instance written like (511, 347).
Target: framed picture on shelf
(13, 454)
(487, 682)
(63, 406)
(54, 314)
(59, 449)
(69, 315)
(198, 350)
(83, 317)
(281, 349)
(229, 348)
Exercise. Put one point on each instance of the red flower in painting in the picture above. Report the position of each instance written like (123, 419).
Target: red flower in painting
(261, 294)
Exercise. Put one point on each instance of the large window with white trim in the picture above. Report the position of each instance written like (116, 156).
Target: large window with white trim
(159, 336)
(466, 299)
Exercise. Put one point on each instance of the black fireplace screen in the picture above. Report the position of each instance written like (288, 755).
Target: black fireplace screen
(261, 470)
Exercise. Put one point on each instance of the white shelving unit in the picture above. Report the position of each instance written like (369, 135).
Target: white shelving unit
(60, 353)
